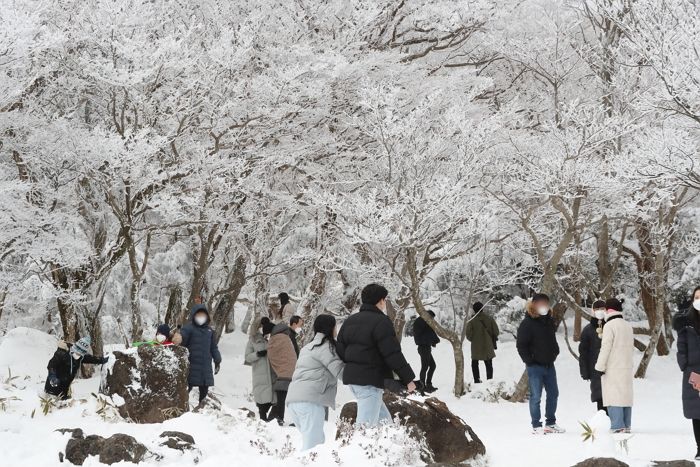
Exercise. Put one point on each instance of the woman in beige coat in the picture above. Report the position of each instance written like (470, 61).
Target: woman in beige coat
(615, 363)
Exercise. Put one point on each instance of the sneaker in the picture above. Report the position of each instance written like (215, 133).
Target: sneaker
(619, 431)
(628, 430)
(553, 429)
(538, 431)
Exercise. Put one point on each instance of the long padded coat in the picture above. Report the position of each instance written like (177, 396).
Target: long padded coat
(588, 350)
(263, 378)
(482, 332)
(201, 343)
(689, 361)
(615, 361)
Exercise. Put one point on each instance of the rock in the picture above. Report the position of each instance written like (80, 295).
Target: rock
(601, 462)
(178, 440)
(678, 463)
(248, 413)
(449, 439)
(148, 384)
(78, 449)
(74, 432)
(117, 448)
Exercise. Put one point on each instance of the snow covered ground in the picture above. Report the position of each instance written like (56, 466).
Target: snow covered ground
(660, 431)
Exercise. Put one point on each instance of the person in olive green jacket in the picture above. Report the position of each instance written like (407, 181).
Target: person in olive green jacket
(482, 332)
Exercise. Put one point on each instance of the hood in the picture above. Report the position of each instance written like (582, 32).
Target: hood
(62, 345)
(281, 328)
(197, 308)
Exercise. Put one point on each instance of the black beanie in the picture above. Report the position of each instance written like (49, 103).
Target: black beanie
(477, 307)
(613, 304)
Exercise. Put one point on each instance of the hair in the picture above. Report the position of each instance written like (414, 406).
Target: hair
(266, 325)
(374, 293)
(695, 290)
(325, 324)
(431, 313)
(598, 304)
(477, 307)
(284, 298)
(294, 319)
(540, 297)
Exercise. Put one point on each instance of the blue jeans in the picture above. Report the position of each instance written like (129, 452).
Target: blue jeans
(370, 405)
(620, 417)
(308, 418)
(543, 377)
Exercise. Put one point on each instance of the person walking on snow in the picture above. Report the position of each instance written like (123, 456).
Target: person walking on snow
(426, 338)
(296, 327)
(482, 332)
(286, 308)
(687, 324)
(315, 382)
(588, 350)
(64, 366)
(200, 340)
(538, 348)
(263, 377)
(283, 359)
(615, 362)
(368, 345)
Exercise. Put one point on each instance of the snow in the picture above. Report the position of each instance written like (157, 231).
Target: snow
(660, 431)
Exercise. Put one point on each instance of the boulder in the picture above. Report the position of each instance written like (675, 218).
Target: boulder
(177, 440)
(117, 448)
(449, 439)
(148, 384)
(74, 432)
(78, 449)
(601, 462)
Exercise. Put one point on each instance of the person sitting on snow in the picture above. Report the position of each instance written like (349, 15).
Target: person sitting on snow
(64, 365)
(163, 337)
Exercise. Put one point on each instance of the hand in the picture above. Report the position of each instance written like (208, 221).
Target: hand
(53, 381)
(217, 367)
(411, 386)
(262, 353)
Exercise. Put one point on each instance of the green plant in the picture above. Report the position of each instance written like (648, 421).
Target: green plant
(588, 432)
(4, 402)
(48, 403)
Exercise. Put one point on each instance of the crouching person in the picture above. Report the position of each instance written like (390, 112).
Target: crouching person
(199, 339)
(163, 337)
(64, 365)
(315, 382)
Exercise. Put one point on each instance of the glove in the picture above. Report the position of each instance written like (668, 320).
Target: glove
(217, 367)
(262, 353)
(104, 360)
(53, 381)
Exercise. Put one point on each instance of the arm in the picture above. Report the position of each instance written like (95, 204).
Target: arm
(185, 335)
(91, 359)
(333, 363)
(682, 354)
(494, 329)
(583, 349)
(340, 345)
(251, 356)
(522, 343)
(390, 350)
(470, 330)
(605, 349)
(214, 349)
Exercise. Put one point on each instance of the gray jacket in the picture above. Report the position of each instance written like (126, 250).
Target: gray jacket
(316, 375)
(262, 373)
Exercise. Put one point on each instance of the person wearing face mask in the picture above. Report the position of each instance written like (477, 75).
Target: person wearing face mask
(687, 324)
(200, 340)
(538, 348)
(616, 364)
(263, 377)
(588, 350)
(368, 345)
(64, 366)
(162, 337)
(296, 327)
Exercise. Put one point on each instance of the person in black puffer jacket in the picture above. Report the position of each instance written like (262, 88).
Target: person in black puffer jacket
(688, 326)
(199, 339)
(64, 366)
(537, 345)
(589, 348)
(426, 338)
(368, 345)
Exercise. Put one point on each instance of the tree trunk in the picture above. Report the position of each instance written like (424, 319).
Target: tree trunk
(174, 311)
(458, 353)
(225, 307)
(135, 301)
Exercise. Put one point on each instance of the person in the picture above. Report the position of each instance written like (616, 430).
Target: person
(296, 327)
(64, 365)
(615, 362)
(589, 349)
(256, 357)
(687, 324)
(368, 345)
(286, 310)
(315, 382)
(482, 332)
(200, 340)
(162, 337)
(426, 338)
(283, 359)
(537, 345)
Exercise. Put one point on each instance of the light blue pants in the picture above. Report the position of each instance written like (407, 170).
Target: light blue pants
(370, 406)
(308, 418)
(620, 417)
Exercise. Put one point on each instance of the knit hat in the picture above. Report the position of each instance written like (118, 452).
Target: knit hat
(163, 329)
(477, 307)
(598, 304)
(267, 325)
(82, 347)
(613, 304)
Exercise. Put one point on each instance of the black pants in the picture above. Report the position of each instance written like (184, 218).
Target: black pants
(600, 406)
(277, 411)
(263, 410)
(696, 432)
(203, 391)
(475, 370)
(427, 364)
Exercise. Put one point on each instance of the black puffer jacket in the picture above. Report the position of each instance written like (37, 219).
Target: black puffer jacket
(64, 367)
(423, 334)
(688, 360)
(368, 345)
(201, 343)
(588, 350)
(537, 341)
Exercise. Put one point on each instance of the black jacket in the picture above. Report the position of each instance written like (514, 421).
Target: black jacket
(588, 349)
(537, 341)
(368, 345)
(688, 360)
(65, 367)
(423, 334)
(201, 343)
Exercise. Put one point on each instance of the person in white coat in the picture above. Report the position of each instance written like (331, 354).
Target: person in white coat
(256, 357)
(315, 382)
(616, 365)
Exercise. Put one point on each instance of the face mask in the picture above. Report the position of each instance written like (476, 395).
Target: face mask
(299, 331)
(160, 338)
(76, 356)
(600, 314)
(543, 310)
(696, 304)
(201, 320)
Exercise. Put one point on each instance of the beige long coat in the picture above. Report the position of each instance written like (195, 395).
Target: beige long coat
(616, 362)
